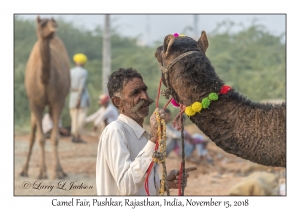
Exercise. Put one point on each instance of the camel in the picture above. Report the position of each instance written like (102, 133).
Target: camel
(252, 131)
(47, 82)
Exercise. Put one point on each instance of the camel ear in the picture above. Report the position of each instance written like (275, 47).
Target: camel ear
(53, 19)
(38, 19)
(157, 53)
(203, 42)
(167, 43)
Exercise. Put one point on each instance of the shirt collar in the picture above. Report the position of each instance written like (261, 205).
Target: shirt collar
(137, 129)
(78, 67)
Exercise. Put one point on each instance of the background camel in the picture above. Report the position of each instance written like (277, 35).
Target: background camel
(47, 82)
(253, 131)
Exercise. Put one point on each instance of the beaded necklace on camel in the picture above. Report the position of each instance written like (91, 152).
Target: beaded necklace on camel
(196, 107)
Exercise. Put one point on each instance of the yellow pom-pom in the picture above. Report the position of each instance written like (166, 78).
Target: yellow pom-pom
(197, 106)
(189, 111)
(181, 35)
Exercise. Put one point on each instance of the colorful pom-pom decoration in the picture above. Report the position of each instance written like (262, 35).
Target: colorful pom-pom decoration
(174, 103)
(189, 111)
(205, 102)
(213, 96)
(197, 106)
(181, 35)
(225, 89)
(176, 35)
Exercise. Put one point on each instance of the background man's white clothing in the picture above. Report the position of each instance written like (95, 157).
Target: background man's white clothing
(110, 113)
(47, 123)
(78, 91)
(78, 117)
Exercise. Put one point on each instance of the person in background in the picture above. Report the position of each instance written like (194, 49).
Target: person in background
(199, 142)
(79, 97)
(48, 125)
(174, 139)
(196, 141)
(104, 115)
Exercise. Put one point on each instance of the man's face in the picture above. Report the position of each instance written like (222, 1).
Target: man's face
(133, 94)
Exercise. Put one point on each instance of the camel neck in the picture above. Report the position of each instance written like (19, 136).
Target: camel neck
(239, 126)
(233, 112)
(45, 57)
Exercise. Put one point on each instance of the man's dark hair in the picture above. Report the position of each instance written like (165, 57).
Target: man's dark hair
(119, 78)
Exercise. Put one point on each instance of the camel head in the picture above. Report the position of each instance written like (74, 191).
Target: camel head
(192, 76)
(45, 27)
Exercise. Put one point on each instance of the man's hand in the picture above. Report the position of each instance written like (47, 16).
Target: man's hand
(173, 178)
(153, 123)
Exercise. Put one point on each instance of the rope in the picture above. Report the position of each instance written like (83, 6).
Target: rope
(179, 180)
(182, 168)
(148, 172)
(160, 156)
(158, 92)
(165, 72)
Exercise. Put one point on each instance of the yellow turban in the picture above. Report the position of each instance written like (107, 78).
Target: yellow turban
(80, 58)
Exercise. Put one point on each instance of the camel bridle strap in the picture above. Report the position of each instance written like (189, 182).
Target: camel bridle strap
(165, 72)
(160, 156)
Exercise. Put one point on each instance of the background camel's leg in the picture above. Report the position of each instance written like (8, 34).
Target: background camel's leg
(38, 111)
(31, 142)
(58, 171)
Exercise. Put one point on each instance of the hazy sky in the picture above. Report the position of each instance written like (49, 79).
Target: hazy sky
(153, 27)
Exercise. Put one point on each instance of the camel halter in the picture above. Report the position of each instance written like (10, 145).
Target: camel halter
(166, 93)
(166, 70)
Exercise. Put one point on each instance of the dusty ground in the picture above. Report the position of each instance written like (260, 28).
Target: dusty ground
(78, 161)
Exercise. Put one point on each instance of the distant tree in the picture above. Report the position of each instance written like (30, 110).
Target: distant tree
(252, 61)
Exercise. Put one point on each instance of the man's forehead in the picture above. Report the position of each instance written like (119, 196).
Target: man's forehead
(134, 83)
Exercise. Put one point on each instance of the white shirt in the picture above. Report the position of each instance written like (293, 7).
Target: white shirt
(78, 89)
(124, 155)
(47, 123)
(110, 113)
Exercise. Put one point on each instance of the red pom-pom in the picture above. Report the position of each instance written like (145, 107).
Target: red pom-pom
(225, 89)
(176, 35)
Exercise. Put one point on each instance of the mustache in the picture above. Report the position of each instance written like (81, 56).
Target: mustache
(141, 103)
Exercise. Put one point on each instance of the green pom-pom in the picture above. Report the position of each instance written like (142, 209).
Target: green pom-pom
(205, 103)
(213, 96)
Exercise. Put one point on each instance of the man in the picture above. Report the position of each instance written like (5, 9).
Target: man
(79, 97)
(125, 149)
(104, 115)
